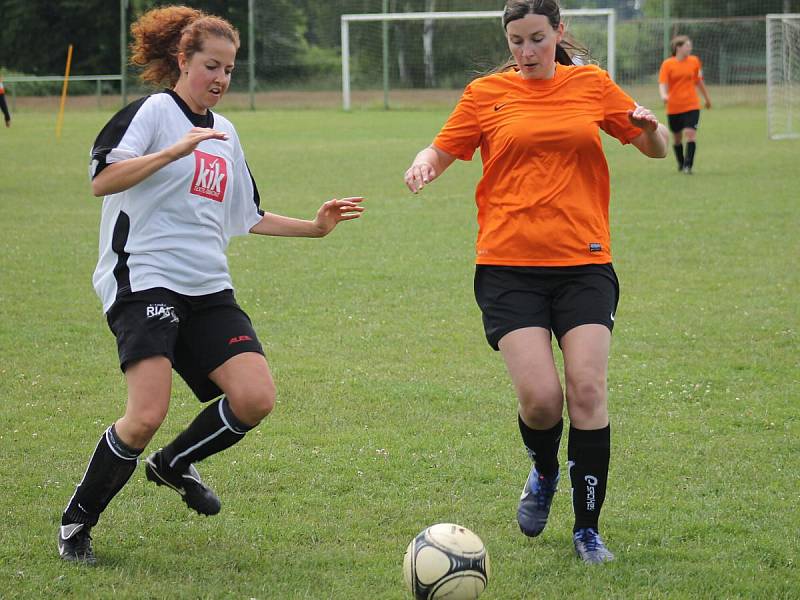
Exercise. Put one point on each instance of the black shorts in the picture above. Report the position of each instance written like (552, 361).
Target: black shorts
(556, 298)
(685, 120)
(196, 333)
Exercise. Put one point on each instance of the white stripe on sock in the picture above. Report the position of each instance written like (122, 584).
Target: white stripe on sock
(114, 450)
(177, 457)
(224, 420)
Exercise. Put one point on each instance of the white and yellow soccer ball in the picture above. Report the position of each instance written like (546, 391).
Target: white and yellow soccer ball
(446, 562)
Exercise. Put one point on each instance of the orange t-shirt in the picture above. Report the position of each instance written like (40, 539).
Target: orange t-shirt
(543, 198)
(681, 77)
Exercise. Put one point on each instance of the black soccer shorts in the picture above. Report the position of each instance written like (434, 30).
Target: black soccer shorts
(685, 120)
(196, 333)
(556, 298)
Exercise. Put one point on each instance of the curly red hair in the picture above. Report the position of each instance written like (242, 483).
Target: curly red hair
(159, 35)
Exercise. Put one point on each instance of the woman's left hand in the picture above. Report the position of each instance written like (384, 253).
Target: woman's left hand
(332, 212)
(643, 118)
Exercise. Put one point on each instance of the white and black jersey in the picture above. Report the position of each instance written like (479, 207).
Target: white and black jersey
(172, 229)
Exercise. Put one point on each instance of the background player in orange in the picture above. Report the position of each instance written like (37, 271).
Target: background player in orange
(543, 248)
(3, 105)
(680, 77)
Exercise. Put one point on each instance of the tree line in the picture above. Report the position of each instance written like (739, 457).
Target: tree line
(294, 39)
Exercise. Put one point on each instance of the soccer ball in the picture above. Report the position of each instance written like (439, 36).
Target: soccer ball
(447, 562)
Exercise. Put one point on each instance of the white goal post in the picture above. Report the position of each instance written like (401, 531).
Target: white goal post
(783, 75)
(429, 17)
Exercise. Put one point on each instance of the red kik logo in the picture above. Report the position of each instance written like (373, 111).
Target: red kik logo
(240, 338)
(210, 176)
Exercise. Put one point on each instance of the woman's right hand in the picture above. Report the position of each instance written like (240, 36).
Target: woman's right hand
(189, 142)
(418, 175)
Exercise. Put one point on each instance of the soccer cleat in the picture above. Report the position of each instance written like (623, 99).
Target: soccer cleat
(196, 494)
(75, 543)
(589, 546)
(687, 170)
(535, 501)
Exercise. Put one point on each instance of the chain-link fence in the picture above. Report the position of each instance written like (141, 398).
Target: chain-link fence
(295, 50)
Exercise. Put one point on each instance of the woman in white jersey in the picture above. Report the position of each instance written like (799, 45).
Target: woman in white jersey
(177, 188)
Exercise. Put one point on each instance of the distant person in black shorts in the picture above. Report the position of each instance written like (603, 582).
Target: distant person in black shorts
(679, 79)
(177, 188)
(3, 105)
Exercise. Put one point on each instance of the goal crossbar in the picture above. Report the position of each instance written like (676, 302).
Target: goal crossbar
(609, 13)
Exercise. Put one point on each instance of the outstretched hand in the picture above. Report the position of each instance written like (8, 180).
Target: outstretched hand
(189, 142)
(643, 118)
(419, 175)
(332, 212)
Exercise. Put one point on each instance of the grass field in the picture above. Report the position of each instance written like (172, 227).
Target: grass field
(393, 413)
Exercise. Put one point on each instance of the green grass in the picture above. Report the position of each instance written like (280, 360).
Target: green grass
(393, 413)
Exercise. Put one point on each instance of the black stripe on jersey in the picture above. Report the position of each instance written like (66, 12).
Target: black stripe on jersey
(206, 120)
(119, 238)
(256, 196)
(110, 136)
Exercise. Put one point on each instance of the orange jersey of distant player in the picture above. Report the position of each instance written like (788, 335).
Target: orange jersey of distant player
(544, 194)
(681, 77)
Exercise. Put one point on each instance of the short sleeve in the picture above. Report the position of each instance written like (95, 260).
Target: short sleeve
(616, 104)
(698, 71)
(461, 134)
(244, 209)
(128, 134)
(663, 73)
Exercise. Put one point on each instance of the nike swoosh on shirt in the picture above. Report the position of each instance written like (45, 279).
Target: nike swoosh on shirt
(499, 106)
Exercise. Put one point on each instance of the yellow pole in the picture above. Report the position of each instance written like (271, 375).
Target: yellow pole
(60, 119)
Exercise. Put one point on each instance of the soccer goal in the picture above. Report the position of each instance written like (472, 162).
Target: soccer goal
(783, 75)
(421, 53)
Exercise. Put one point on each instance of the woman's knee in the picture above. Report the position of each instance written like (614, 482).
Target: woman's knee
(540, 405)
(587, 394)
(252, 403)
(137, 428)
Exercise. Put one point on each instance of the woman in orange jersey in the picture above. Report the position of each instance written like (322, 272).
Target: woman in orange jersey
(543, 248)
(680, 77)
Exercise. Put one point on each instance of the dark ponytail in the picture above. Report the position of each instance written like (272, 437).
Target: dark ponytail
(562, 56)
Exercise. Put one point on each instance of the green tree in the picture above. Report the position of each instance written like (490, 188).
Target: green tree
(36, 34)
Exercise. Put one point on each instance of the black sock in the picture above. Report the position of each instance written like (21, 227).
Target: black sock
(213, 430)
(110, 468)
(542, 446)
(678, 148)
(589, 452)
(690, 149)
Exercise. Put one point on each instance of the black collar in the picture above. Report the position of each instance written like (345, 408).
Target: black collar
(206, 120)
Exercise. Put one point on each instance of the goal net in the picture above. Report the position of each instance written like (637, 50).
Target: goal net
(408, 58)
(783, 75)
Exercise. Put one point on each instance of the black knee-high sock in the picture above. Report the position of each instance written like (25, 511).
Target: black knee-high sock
(542, 446)
(589, 452)
(678, 149)
(110, 468)
(690, 150)
(213, 430)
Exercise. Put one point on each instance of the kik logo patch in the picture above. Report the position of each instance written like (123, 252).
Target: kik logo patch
(210, 176)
